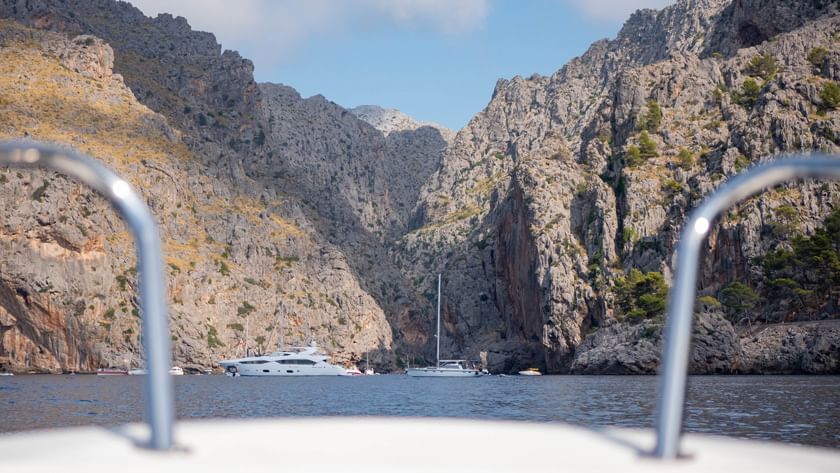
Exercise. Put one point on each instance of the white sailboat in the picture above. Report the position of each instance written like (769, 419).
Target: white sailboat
(444, 368)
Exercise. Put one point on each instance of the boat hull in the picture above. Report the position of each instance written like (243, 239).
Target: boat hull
(111, 372)
(288, 370)
(433, 372)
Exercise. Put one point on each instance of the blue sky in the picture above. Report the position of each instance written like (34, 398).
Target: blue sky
(437, 60)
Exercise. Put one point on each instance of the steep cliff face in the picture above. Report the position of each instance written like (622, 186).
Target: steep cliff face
(548, 185)
(283, 212)
(237, 254)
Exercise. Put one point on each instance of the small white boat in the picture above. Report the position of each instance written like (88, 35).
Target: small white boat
(6, 374)
(354, 371)
(530, 372)
(111, 372)
(174, 371)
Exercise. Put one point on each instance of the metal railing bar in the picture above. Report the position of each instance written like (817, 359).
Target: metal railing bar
(674, 373)
(158, 383)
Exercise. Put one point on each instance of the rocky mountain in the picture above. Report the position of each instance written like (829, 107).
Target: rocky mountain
(564, 184)
(553, 214)
(388, 120)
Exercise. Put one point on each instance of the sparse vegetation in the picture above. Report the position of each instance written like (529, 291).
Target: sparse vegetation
(632, 157)
(685, 159)
(285, 260)
(647, 148)
(830, 95)
(763, 66)
(652, 120)
(786, 220)
(224, 270)
(38, 194)
(213, 337)
(641, 295)
(738, 297)
(672, 187)
(236, 326)
(741, 162)
(816, 56)
(122, 281)
(708, 301)
(245, 309)
(809, 271)
(748, 95)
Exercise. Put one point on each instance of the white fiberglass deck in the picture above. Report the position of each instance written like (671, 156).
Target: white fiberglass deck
(388, 445)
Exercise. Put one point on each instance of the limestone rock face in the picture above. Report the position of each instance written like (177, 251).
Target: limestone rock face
(623, 348)
(536, 210)
(246, 265)
(805, 347)
(388, 120)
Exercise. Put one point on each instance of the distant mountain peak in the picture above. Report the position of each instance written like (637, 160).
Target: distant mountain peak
(389, 120)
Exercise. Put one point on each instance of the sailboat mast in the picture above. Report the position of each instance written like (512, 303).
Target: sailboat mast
(438, 324)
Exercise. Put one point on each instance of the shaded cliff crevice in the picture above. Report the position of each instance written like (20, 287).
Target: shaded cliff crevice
(516, 257)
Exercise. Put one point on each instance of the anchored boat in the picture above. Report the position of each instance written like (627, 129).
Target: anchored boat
(443, 368)
(296, 361)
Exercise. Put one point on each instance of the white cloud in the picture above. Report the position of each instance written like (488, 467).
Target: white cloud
(271, 31)
(613, 10)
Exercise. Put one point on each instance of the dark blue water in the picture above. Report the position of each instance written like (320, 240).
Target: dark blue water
(797, 409)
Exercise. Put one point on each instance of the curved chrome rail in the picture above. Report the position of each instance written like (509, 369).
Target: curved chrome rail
(158, 386)
(675, 354)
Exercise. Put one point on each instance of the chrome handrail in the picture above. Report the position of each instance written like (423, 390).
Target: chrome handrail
(675, 354)
(158, 385)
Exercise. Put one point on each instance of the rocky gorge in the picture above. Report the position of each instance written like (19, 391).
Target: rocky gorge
(553, 214)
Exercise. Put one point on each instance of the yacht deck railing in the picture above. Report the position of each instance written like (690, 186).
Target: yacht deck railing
(160, 400)
(674, 372)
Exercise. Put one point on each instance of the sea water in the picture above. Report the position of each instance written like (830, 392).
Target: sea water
(797, 409)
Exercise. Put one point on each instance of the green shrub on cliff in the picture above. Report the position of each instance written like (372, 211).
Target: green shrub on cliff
(647, 148)
(738, 297)
(213, 337)
(632, 157)
(641, 295)
(830, 95)
(816, 56)
(748, 95)
(686, 159)
(808, 272)
(763, 66)
(651, 120)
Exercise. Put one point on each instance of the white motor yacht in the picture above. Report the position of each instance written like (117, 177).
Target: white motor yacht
(296, 361)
